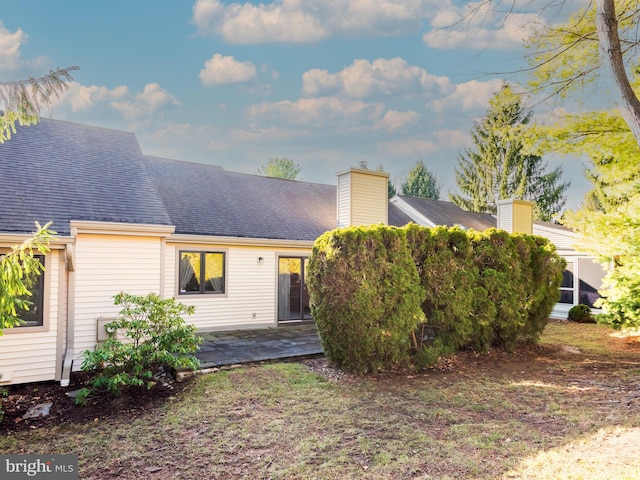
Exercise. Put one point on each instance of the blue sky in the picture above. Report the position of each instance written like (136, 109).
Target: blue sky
(326, 83)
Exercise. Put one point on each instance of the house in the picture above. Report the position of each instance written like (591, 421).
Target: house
(233, 245)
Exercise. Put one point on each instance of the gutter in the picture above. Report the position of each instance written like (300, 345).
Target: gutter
(67, 362)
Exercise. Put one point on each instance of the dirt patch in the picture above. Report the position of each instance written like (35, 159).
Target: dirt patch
(132, 403)
(529, 360)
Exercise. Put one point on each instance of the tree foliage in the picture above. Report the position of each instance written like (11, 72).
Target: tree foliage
(280, 168)
(19, 270)
(498, 167)
(609, 220)
(22, 101)
(421, 182)
(365, 296)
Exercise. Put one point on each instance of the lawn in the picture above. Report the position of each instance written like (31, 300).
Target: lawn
(568, 408)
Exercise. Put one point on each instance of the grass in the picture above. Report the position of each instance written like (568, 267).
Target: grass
(567, 409)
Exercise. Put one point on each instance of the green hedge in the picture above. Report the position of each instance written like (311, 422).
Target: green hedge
(365, 296)
(370, 287)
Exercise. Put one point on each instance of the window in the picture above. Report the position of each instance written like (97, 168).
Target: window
(591, 276)
(581, 281)
(201, 272)
(567, 285)
(34, 316)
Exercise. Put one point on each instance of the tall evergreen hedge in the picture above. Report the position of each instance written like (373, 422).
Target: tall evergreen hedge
(365, 296)
(374, 288)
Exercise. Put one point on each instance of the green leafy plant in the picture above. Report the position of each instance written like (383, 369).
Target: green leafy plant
(581, 314)
(19, 270)
(149, 337)
(3, 393)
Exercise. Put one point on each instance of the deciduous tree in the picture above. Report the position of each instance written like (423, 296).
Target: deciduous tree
(280, 168)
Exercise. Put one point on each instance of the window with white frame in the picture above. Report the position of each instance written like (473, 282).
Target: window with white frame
(581, 281)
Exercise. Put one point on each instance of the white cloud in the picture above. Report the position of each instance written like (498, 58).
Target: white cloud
(296, 21)
(362, 78)
(468, 96)
(399, 122)
(481, 25)
(454, 139)
(325, 112)
(82, 97)
(225, 70)
(10, 44)
(152, 100)
(408, 147)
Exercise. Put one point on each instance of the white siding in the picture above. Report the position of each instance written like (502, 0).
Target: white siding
(362, 197)
(251, 291)
(104, 266)
(563, 240)
(30, 356)
(344, 200)
(369, 199)
(515, 216)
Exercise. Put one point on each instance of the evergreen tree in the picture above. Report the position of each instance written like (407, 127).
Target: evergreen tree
(22, 101)
(498, 168)
(421, 183)
(391, 189)
(19, 270)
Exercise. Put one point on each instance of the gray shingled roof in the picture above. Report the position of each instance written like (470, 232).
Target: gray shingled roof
(449, 214)
(63, 171)
(207, 200)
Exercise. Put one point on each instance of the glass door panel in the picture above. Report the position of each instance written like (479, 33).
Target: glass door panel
(293, 296)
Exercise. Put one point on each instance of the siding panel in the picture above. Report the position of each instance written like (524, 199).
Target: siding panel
(107, 265)
(31, 356)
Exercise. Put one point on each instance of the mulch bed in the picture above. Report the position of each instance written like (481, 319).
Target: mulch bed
(132, 403)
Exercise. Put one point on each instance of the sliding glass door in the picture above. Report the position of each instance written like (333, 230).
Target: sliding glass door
(293, 296)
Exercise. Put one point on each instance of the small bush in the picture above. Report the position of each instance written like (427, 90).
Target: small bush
(581, 314)
(156, 340)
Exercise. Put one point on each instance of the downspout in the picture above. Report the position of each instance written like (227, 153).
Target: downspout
(67, 362)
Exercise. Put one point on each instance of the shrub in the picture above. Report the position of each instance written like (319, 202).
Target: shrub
(501, 276)
(581, 313)
(544, 279)
(446, 271)
(156, 339)
(365, 296)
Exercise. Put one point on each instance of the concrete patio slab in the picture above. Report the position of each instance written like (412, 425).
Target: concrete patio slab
(221, 348)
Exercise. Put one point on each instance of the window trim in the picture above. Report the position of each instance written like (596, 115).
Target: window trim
(202, 252)
(46, 288)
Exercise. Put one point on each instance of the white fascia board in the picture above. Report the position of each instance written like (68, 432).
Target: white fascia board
(411, 212)
(556, 231)
(117, 228)
(9, 240)
(241, 241)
